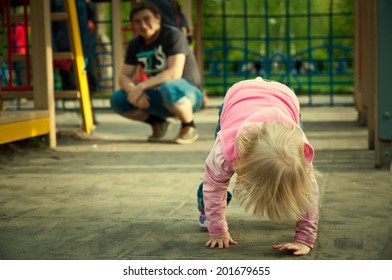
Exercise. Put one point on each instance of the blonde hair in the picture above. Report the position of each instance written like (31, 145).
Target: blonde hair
(272, 174)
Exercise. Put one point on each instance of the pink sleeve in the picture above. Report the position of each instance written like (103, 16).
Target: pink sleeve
(216, 180)
(306, 228)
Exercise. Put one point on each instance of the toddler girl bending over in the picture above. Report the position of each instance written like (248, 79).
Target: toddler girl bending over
(260, 139)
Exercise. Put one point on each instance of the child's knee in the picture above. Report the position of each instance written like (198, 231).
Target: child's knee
(200, 201)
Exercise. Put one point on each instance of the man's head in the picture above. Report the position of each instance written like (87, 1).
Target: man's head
(146, 20)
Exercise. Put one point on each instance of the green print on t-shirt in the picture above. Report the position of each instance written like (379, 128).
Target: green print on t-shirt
(153, 61)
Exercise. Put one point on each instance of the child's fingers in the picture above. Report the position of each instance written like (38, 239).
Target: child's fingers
(295, 248)
(232, 241)
(300, 252)
(212, 243)
(292, 247)
(277, 246)
(286, 246)
(220, 243)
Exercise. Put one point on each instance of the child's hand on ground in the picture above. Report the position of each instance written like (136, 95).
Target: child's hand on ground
(296, 248)
(221, 241)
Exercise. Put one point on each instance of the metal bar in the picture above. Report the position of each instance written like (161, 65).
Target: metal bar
(330, 52)
(310, 59)
(8, 12)
(279, 15)
(288, 49)
(278, 38)
(27, 55)
(245, 18)
(224, 39)
(267, 41)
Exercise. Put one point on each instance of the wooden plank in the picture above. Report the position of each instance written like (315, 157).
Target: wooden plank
(18, 18)
(56, 56)
(118, 50)
(17, 94)
(187, 11)
(15, 131)
(58, 16)
(42, 62)
(15, 57)
(365, 65)
(64, 94)
(7, 117)
(67, 94)
(63, 56)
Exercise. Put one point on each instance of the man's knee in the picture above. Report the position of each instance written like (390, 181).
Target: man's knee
(170, 93)
(117, 101)
(173, 92)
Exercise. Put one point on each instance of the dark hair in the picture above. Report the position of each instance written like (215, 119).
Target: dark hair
(142, 5)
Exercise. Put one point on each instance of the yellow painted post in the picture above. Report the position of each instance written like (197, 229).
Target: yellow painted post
(81, 74)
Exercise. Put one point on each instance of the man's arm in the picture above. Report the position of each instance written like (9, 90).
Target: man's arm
(174, 71)
(126, 77)
(127, 84)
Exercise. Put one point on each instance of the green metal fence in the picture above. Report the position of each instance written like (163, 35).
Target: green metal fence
(306, 44)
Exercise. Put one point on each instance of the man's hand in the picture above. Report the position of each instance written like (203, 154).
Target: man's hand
(297, 248)
(221, 241)
(138, 98)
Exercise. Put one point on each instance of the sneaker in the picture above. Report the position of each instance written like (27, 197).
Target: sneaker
(202, 220)
(159, 131)
(187, 135)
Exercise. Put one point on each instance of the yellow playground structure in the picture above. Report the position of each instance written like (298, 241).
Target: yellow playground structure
(21, 124)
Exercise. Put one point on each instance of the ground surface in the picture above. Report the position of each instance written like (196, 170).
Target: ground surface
(114, 196)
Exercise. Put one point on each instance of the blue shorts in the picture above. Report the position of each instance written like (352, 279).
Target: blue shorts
(166, 95)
